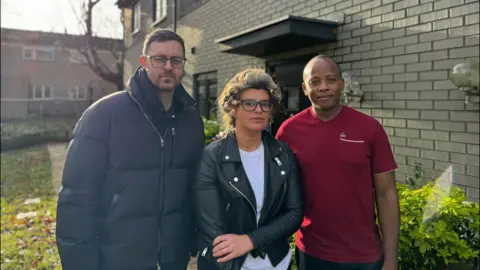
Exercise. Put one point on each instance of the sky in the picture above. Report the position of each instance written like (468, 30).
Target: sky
(58, 16)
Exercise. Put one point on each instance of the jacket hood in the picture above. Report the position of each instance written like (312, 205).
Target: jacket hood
(139, 80)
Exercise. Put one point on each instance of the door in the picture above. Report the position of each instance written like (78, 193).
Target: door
(289, 76)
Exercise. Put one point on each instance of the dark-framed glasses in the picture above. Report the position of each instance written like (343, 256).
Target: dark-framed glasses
(250, 105)
(161, 61)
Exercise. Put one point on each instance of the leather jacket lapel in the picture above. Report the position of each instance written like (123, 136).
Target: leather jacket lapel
(238, 180)
(275, 173)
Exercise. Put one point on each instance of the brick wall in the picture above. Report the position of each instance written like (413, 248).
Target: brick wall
(400, 51)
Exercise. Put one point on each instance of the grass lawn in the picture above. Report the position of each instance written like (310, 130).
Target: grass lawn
(27, 242)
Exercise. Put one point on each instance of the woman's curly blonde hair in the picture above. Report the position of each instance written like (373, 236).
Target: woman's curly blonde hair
(250, 78)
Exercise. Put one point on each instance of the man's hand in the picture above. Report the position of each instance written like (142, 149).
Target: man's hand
(231, 246)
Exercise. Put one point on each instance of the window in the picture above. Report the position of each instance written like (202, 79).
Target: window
(44, 54)
(77, 93)
(206, 93)
(137, 16)
(28, 53)
(40, 54)
(42, 92)
(159, 10)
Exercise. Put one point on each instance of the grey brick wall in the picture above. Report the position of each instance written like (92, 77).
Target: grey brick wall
(401, 52)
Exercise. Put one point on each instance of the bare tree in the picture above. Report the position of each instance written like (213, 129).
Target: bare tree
(89, 49)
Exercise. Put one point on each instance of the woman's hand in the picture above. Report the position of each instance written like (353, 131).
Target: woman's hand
(231, 246)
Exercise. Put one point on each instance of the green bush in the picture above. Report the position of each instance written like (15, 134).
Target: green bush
(438, 227)
(211, 129)
(13, 129)
(23, 134)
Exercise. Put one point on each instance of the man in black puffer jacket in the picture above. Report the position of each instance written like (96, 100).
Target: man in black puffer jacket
(125, 201)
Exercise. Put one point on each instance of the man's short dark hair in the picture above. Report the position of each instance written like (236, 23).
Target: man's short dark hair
(161, 35)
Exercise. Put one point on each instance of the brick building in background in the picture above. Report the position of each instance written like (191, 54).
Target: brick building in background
(400, 52)
(44, 75)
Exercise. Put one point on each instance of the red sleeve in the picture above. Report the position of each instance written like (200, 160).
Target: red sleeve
(382, 156)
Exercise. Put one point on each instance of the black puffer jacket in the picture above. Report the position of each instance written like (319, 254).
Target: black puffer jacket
(226, 203)
(125, 199)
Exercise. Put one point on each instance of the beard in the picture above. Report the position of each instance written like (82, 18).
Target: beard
(167, 83)
(165, 89)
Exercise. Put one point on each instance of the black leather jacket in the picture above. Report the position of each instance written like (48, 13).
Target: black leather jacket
(226, 203)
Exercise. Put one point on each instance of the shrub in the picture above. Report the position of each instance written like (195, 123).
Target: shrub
(22, 134)
(211, 129)
(438, 228)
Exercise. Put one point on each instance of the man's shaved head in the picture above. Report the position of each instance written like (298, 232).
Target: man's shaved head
(308, 68)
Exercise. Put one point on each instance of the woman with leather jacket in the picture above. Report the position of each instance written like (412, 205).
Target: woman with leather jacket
(247, 194)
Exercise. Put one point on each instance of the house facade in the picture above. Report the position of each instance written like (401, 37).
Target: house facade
(44, 75)
(398, 53)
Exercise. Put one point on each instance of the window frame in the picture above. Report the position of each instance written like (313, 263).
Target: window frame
(76, 96)
(42, 88)
(136, 18)
(24, 49)
(206, 79)
(159, 11)
(34, 53)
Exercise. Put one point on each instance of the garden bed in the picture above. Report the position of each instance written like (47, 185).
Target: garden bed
(22, 134)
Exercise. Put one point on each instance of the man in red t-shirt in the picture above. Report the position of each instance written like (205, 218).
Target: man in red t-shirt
(347, 169)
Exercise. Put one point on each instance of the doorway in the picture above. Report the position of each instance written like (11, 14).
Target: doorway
(288, 76)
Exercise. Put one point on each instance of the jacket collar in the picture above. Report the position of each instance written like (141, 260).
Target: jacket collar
(232, 154)
(140, 88)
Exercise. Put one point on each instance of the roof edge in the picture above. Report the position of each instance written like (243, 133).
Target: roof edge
(273, 22)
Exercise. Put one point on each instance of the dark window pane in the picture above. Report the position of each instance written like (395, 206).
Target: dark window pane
(81, 93)
(47, 92)
(37, 92)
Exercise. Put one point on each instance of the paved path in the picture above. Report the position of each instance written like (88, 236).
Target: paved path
(58, 152)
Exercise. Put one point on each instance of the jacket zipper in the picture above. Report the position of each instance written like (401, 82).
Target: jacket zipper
(173, 143)
(162, 145)
(228, 207)
(249, 202)
(204, 252)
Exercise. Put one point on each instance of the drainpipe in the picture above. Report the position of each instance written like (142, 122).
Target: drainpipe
(174, 15)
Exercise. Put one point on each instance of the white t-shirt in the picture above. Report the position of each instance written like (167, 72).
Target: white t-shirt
(254, 165)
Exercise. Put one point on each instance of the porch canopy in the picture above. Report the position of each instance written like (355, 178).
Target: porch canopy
(288, 33)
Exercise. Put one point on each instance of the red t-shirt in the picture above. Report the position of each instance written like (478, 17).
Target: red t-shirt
(338, 159)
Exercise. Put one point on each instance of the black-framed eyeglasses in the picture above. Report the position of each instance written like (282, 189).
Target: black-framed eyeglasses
(161, 61)
(250, 105)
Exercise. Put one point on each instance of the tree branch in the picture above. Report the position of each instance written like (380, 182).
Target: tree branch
(89, 49)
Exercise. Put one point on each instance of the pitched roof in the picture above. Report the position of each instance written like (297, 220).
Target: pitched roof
(58, 39)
